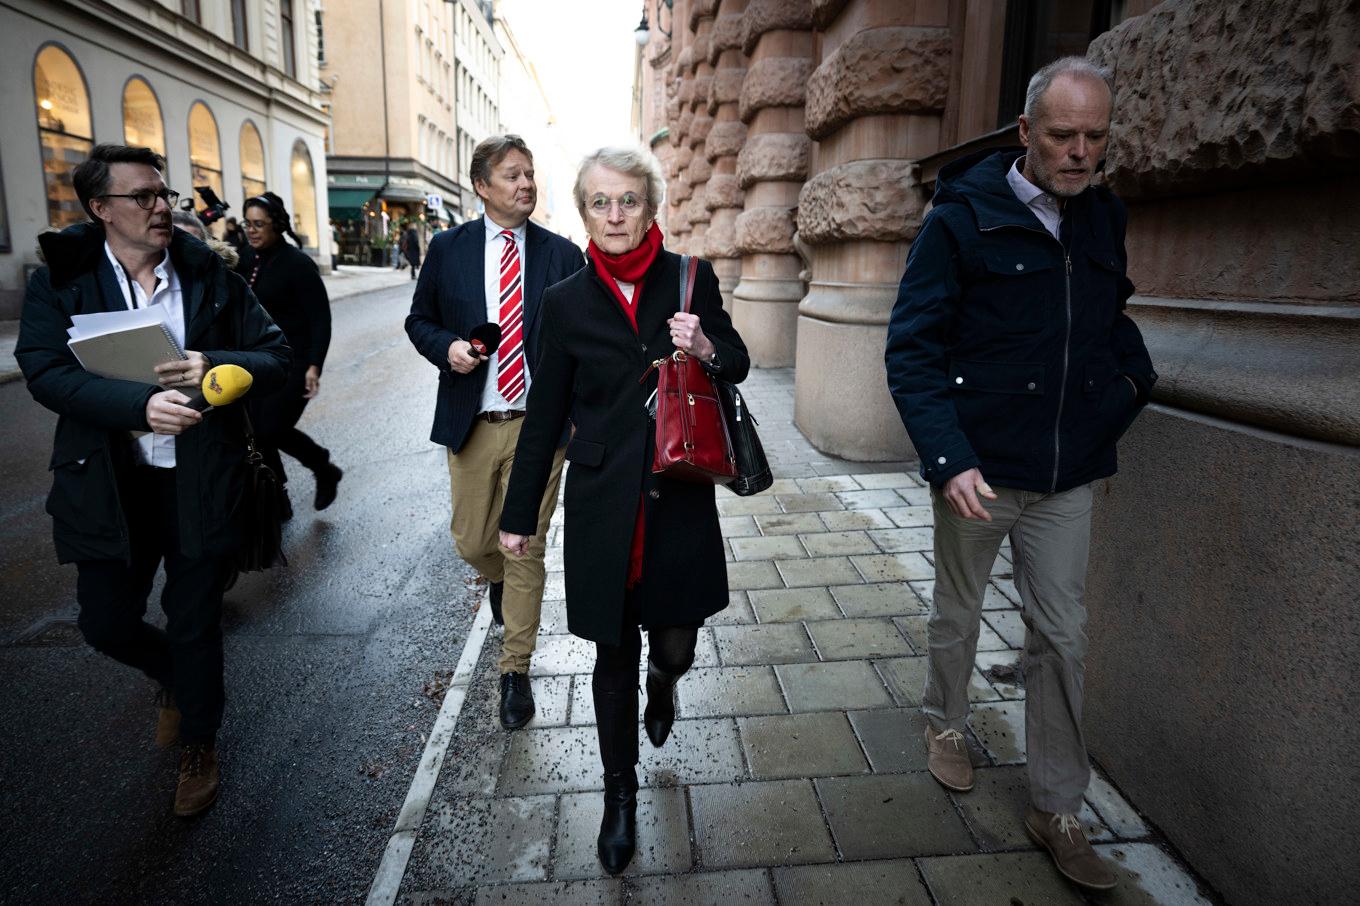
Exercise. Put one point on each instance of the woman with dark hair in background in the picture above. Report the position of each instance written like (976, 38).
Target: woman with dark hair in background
(289, 287)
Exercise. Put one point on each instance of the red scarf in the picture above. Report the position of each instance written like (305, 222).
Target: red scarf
(630, 267)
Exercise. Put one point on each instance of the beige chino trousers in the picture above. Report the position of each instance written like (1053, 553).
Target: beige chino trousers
(479, 473)
(1050, 539)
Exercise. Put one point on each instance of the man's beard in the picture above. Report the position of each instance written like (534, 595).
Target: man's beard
(1049, 185)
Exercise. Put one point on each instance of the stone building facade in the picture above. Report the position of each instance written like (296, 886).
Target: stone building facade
(228, 93)
(1222, 686)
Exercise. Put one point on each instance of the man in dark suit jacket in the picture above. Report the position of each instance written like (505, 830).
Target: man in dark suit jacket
(493, 270)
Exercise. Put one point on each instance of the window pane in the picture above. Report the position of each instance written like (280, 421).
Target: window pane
(286, 37)
(205, 151)
(63, 109)
(252, 161)
(238, 24)
(304, 196)
(142, 124)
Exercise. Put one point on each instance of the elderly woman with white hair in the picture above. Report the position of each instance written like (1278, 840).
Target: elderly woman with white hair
(642, 551)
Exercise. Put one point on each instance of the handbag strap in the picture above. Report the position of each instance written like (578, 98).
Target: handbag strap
(689, 269)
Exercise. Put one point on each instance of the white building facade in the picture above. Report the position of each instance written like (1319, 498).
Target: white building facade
(227, 90)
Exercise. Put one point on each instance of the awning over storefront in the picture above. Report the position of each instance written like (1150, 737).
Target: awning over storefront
(396, 192)
(347, 204)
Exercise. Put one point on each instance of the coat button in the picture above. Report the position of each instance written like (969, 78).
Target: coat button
(958, 380)
(654, 494)
(1029, 386)
(940, 460)
(1019, 267)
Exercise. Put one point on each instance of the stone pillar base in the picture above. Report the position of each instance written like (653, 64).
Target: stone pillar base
(841, 400)
(765, 313)
(1220, 684)
(728, 271)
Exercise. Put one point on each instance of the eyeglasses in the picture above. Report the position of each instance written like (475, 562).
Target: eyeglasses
(146, 199)
(254, 225)
(600, 205)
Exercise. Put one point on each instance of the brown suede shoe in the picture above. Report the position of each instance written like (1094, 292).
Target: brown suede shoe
(947, 759)
(197, 780)
(1065, 841)
(167, 722)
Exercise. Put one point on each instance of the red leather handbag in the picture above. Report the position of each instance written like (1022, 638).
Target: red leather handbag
(692, 443)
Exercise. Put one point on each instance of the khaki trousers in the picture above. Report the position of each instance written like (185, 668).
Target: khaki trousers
(1050, 538)
(478, 476)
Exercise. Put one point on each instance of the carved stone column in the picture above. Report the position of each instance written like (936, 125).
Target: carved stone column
(777, 36)
(723, 197)
(701, 22)
(678, 189)
(873, 105)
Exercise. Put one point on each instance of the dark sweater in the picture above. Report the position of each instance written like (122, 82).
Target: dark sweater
(289, 287)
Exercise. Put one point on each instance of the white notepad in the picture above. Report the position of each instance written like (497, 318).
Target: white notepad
(125, 344)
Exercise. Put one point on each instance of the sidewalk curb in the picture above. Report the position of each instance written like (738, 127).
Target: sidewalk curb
(392, 868)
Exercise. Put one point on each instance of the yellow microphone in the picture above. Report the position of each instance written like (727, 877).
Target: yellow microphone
(222, 385)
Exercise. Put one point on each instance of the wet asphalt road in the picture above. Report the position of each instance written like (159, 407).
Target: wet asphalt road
(326, 662)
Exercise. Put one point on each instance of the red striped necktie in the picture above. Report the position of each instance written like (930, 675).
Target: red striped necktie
(510, 366)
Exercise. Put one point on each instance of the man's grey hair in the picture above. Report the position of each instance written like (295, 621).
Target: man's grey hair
(629, 161)
(189, 222)
(1076, 67)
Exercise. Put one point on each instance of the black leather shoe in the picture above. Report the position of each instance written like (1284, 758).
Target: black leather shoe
(660, 711)
(327, 483)
(517, 700)
(618, 827)
(497, 590)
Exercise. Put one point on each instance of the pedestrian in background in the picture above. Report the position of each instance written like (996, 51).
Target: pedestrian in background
(188, 222)
(493, 269)
(124, 501)
(410, 245)
(233, 235)
(288, 285)
(1016, 369)
(642, 550)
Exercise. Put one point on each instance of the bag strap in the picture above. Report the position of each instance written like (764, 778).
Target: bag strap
(689, 269)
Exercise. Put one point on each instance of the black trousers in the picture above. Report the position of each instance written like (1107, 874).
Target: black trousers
(185, 657)
(614, 683)
(275, 418)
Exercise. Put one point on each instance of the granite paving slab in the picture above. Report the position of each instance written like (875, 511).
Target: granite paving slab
(727, 816)
(892, 815)
(820, 744)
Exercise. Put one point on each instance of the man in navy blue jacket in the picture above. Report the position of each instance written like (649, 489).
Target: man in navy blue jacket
(493, 270)
(1016, 369)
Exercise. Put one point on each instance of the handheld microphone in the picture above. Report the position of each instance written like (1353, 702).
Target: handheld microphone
(221, 386)
(485, 339)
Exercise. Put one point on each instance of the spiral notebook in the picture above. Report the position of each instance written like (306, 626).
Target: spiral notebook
(127, 345)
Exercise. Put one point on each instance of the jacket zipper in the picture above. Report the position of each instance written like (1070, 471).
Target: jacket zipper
(1067, 338)
(1062, 388)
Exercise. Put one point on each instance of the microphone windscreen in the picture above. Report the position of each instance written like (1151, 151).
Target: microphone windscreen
(226, 384)
(487, 335)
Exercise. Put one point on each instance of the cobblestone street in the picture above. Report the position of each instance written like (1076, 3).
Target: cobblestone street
(796, 771)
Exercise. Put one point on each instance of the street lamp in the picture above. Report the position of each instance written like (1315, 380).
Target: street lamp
(643, 32)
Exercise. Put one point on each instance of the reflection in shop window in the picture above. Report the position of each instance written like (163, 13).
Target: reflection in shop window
(304, 195)
(142, 124)
(64, 130)
(205, 151)
(252, 161)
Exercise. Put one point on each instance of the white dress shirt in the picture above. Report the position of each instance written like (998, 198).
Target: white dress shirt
(492, 401)
(154, 449)
(1044, 205)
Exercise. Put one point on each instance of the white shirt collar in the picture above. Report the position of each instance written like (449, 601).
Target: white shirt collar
(1025, 190)
(164, 272)
(494, 229)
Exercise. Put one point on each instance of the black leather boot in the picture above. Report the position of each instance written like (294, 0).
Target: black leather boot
(517, 700)
(618, 827)
(660, 711)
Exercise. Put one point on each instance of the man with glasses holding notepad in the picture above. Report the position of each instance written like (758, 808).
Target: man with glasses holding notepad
(138, 477)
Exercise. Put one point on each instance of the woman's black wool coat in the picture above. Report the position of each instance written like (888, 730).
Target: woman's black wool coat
(590, 370)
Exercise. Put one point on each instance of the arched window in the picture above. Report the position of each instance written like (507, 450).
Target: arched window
(205, 150)
(304, 195)
(142, 123)
(252, 161)
(65, 131)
